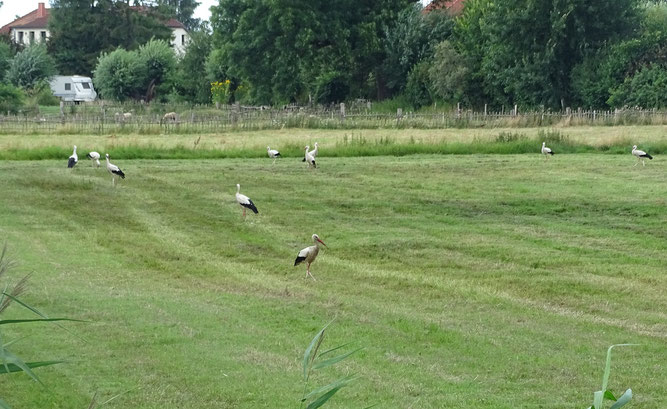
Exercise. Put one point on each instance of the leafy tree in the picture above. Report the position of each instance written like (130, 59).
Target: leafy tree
(448, 72)
(289, 50)
(410, 40)
(5, 57)
(159, 64)
(30, 66)
(525, 50)
(417, 88)
(600, 73)
(11, 99)
(646, 89)
(120, 75)
(192, 78)
(216, 66)
(81, 30)
(181, 10)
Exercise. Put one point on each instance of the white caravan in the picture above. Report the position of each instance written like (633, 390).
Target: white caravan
(73, 88)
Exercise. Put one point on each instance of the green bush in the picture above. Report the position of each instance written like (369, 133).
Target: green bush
(417, 88)
(30, 66)
(159, 65)
(120, 75)
(11, 99)
(646, 89)
(42, 94)
(448, 72)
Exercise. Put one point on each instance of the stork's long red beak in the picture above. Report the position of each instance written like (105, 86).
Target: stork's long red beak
(322, 242)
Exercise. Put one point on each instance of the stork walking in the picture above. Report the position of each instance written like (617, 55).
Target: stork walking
(639, 154)
(274, 154)
(309, 254)
(313, 153)
(94, 158)
(546, 151)
(73, 159)
(310, 159)
(115, 171)
(244, 201)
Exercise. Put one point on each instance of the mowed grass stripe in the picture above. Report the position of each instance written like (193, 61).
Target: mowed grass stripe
(472, 280)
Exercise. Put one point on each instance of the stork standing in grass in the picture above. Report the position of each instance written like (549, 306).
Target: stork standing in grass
(73, 159)
(546, 151)
(639, 154)
(115, 171)
(309, 254)
(313, 153)
(244, 201)
(309, 158)
(274, 154)
(94, 158)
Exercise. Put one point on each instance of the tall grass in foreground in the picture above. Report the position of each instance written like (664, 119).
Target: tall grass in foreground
(604, 393)
(11, 362)
(313, 361)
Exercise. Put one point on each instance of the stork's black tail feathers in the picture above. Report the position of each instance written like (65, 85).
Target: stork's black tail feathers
(647, 156)
(303, 160)
(551, 153)
(277, 154)
(251, 206)
(119, 173)
(299, 260)
(71, 162)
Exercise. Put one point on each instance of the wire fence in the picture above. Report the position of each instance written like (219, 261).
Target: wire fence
(169, 119)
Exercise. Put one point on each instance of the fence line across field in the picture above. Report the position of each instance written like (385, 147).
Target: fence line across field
(110, 120)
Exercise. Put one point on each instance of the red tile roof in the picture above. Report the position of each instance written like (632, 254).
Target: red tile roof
(35, 19)
(453, 7)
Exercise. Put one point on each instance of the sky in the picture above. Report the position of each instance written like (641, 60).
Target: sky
(12, 8)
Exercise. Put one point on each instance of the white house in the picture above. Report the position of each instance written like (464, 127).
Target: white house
(33, 28)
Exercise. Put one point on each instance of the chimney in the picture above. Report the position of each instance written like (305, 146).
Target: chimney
(41, 10)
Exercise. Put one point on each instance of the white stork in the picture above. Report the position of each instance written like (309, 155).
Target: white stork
(273, 154)
(94, 158)
(244, 201)
(309, 254)
(115, 171)
(309, 158)
(546, 151)
(73, 159)
(313, 153)
(639, 154)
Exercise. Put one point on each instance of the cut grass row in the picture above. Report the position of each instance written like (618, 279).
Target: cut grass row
(471, 281)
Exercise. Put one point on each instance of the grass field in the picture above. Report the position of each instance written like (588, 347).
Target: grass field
(486, 281)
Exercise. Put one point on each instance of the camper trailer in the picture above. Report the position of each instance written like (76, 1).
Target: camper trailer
(73, 88)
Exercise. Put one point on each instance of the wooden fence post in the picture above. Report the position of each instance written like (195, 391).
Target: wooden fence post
(485, 110)
(342, 110)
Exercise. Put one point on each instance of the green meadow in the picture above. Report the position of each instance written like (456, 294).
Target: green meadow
(470, 280)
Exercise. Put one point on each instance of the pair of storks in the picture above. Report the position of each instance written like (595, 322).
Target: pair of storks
(636, 152)
(308, 157)
(95, 159)
(309, 253)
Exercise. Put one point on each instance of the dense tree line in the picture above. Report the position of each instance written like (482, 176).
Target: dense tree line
(545, 54)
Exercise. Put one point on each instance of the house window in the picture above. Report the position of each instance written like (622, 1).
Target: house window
(20, 37)
(183, 39)
(68, 86)
(85, 85)
(43, 35)
(32, 37)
